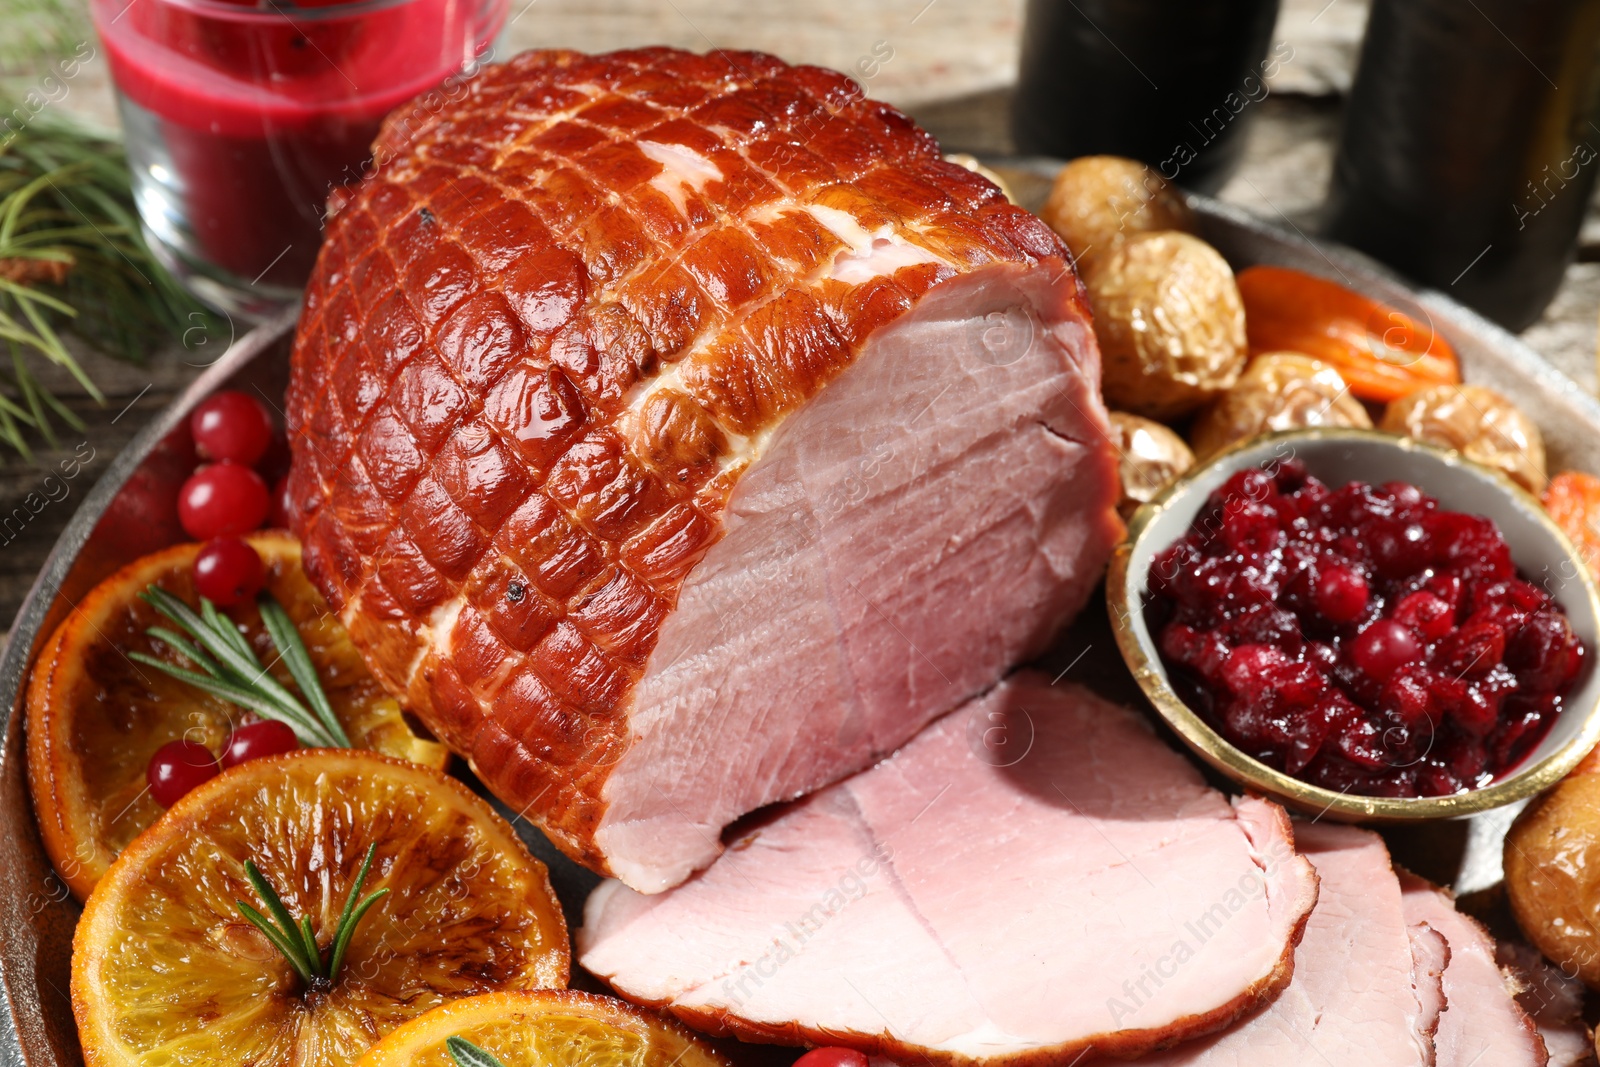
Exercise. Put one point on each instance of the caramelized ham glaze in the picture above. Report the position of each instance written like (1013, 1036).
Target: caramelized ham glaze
(678, 434)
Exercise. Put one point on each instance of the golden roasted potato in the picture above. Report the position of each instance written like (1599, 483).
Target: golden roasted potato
(1552, 865)
(1477, 422)
(1152, 456)
(1170, 324)
(961, 159)
(1099, 201)
(1277, 391)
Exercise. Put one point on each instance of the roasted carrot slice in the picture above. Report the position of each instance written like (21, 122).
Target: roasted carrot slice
(1382, 352)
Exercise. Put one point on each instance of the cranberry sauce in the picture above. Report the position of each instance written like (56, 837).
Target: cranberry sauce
(1361, 638)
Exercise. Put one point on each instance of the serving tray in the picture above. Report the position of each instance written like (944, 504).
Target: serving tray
(132, 510)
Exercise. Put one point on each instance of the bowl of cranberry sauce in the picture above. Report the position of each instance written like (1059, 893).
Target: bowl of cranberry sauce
(1362, 626)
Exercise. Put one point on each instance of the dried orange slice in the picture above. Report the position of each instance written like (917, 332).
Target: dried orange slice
(165, 970)
(544, 1029)
(95, 717)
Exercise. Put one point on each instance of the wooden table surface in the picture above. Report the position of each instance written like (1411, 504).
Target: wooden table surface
(951, 64)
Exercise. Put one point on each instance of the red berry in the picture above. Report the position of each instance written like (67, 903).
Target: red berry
(266, 737)
(1341, 594)
(231, 426)
(1383, 648)
(222, 500)
(176, 768)
(832, 1057)
(227, 572)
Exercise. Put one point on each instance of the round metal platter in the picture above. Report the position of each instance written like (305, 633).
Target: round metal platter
(130, 511)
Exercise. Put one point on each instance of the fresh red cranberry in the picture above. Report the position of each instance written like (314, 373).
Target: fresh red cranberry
(1341, 594)
(228, 571)
(252, 740)
(831, 1057)
(1383, 648)
(222, 500)
(231, 426)
(176, 768)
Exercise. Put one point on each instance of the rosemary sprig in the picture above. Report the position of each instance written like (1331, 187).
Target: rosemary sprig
(296, 940)
(72, 254)
(230, 670)
(465, 1054)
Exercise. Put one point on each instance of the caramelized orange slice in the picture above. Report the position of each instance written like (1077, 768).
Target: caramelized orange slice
(95, 717)
(544, 1029)
(165, 970)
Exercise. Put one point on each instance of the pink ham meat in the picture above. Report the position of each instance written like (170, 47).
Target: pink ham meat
(1034, 876)
(1483, 1023)
(1367, 985)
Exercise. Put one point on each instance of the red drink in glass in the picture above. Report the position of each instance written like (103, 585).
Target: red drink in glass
(240, 118)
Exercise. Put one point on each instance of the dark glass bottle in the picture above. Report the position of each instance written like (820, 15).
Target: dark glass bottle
(1470, 146)
(1171, 84)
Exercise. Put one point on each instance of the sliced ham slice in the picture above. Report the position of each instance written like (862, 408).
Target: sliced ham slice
(1034, 876)
(1366, 986)
(1483, 1023)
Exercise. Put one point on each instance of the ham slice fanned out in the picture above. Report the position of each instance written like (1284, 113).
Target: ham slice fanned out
(1033, 876)
(1483, 1023)
(677, 434)
(1367, 984)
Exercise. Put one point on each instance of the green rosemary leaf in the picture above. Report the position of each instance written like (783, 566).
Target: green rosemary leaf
(342, 945)
(291, 950)
(305, 729)
(308, 937)
(192, 654)
(234, 655)
(67, 216)
(269, 897)
(350, 917)
(466, 1054)
(292, 648)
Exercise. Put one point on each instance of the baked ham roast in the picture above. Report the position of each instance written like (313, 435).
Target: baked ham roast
(677, 434)
(1035, 876)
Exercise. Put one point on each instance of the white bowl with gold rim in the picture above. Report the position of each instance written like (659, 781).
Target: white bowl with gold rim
(1541, 552)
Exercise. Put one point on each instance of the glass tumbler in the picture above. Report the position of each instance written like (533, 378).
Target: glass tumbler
(240, 118)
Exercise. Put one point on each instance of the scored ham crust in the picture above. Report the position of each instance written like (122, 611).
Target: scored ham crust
(565, 462)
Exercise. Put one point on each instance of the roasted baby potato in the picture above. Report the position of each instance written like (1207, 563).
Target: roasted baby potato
(1170, 324)
(1479, 423)
(1278, 391)
(1552, 865)
(1099, 201)
(1152, 456)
